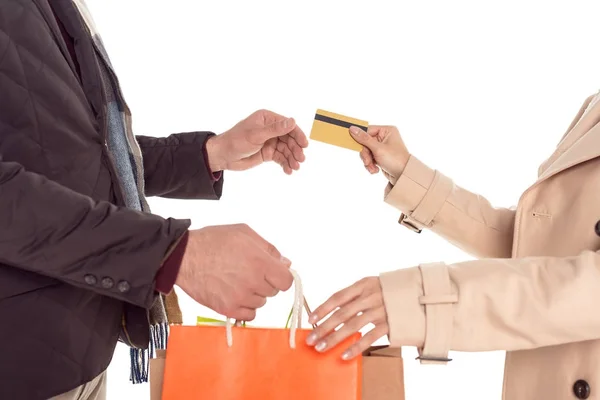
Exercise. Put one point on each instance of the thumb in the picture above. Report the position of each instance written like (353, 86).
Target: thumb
(276, 129)
(363, 138)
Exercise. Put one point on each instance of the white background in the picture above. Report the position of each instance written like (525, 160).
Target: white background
(482, 91)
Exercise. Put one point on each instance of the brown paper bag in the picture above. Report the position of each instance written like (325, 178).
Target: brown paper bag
(383, 374)
(157, 369)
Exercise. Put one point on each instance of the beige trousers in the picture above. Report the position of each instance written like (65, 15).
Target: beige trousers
(93, 390)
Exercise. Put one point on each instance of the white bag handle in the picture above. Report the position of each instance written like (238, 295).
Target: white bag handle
(296, 313)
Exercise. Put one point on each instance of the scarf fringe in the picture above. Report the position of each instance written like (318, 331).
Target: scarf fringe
(140, 358)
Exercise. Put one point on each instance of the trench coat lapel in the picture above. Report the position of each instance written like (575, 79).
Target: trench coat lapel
(581, 142)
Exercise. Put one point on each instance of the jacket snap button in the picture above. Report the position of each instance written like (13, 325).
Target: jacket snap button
(90, 279)
(597, 228)
(581, 389)
(107, 283)
(123, 287)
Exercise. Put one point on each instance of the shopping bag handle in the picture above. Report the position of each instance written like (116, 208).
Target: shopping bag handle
(299, 302)
(306, 308)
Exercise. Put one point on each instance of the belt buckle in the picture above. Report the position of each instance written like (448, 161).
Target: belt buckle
(406, 223)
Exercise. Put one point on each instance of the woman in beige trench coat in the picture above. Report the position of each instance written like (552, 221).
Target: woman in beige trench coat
(534, 290)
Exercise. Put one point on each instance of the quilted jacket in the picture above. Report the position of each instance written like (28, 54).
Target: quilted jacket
(75, 264)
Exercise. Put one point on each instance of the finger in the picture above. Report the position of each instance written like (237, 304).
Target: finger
(265, 289)
(297, 134)
(342, 316)
(277, 267)
(295, 164)
(279, 277)
(276, 129)
(299, 137)
(363, 138)
(243, 314)
(365, 342)
(283, 148)
(373, 169)
(337, 300)
(378, 132)
(255, 301)
(270, 117)
(280, 159)
(367, 157)
(268, 150)
(294, 147)
(349, 328)
(381, 132)
(374, 130)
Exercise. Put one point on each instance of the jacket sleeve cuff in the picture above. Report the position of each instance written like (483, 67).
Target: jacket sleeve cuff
(406, 317)
(419, 193)
(216, 176)
(167, 274)
(419, 303)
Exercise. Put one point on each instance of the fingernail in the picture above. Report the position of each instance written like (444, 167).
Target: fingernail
(286, 260)
(355, 130)
(310, 340)
(346, 355)
(288, 122)
(321, 346)
(312, 319)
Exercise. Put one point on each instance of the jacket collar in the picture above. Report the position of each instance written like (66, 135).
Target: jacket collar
(50, 19)
(74, 23)
(581, 142)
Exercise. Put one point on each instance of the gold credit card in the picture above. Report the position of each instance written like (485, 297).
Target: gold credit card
(333, 128)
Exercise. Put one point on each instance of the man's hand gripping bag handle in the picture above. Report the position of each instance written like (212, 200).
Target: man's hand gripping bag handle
(299, 302)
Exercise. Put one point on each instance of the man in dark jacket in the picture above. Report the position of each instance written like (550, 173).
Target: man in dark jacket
(83, 262)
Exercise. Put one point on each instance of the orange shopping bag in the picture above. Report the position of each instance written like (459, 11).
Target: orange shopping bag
(247, 363)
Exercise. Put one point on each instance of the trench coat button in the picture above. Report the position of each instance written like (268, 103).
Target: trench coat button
(107, 283)
(123, 287)
(597, 228)
(581, 389)
(90, 279)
